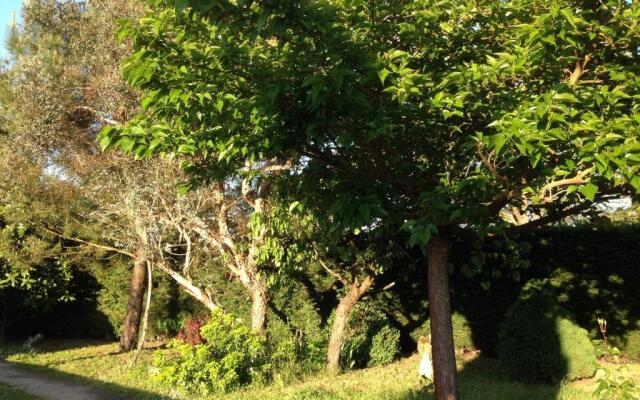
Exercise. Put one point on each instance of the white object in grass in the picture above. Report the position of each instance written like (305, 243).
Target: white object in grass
(426, 367)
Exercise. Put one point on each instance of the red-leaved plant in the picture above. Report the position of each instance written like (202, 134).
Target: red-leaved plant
(190, 332)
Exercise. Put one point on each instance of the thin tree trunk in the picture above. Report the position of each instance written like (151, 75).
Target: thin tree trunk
(341, 319)
(134, 307)
(145, 319)
(259, 304)
(444, 360)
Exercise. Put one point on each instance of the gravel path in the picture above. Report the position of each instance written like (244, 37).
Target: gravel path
(47, 388)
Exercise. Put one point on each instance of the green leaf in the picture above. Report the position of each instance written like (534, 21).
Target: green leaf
(383, 75)
(104, 142)
(589, 191)
(635, 182)
(219, 104)
(296, 205)
(180, 6)
(126, 144)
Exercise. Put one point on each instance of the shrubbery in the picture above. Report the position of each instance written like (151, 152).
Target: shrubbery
(297, 342)
(385, 346)
(538, 340)
(462, 335)
(190, 331)
(229, 357)
(365, 323)
(632, 345)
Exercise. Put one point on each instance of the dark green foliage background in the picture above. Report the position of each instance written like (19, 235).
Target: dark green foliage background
(595, 269)
(539, 341)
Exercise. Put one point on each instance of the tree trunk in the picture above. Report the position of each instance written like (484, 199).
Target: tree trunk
(259, 304)
(444, 359)
(355, 293)
(145, 319)
(134, 306)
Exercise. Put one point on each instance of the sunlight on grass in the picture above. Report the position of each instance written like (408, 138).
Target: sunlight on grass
(480, 379)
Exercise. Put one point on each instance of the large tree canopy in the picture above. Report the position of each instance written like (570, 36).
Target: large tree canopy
(443, 117)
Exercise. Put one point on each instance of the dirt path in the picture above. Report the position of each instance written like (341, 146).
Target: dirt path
(47, 388)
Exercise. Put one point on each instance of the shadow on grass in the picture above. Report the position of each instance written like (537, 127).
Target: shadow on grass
(487, 379)
(102, 390)
(480, 379)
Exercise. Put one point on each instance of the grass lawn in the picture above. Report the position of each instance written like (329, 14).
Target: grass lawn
(9, 393)
(479, 379)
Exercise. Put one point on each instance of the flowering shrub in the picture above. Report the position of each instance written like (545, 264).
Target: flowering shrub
(229, 356)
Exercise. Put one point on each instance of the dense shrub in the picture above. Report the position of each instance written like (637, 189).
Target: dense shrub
(385, 346)
(632, 345)
(297, 337)
(229, 357)
(594, 269)
(366, 322)
(540, 342)
(462, 335)
(190, 332)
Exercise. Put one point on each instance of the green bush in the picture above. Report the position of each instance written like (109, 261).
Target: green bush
(297, 337)
(365, 320)
(462, 335)
(230, 357)
(538, 340)
(632, 345)
(385, 346)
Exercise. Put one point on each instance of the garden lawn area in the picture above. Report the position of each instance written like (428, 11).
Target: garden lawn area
(9, 393)
(100, 365)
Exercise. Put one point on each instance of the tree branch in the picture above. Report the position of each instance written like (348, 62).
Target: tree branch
(329, 270)
(98, 246)
(551, 217)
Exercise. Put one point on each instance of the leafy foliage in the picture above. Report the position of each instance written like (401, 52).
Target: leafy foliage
(385, 346)
(462, 334)
(364, 344)
(498, 122)
(190, 332)
(540, 342)
(632, 344)
(610, 387)
(230, 357)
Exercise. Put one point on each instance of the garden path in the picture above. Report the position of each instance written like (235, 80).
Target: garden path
(48, 388)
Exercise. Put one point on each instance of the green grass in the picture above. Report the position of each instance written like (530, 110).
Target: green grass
(9, 393)
(479, 379)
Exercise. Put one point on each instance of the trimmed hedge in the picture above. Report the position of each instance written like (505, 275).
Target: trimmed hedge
(539, 342)
(462, 334)
(595, 271)
(632, 345)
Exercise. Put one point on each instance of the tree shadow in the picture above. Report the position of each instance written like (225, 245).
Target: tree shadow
(595, 271)
(485, 379)
(23, 314)
(101, 390)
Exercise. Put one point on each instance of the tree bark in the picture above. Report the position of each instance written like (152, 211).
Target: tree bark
(145, 319)
(259, 304)
(341, 319)
(134, 306)
(444, 360)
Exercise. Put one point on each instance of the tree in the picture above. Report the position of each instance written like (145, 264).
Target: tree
(443, 119)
